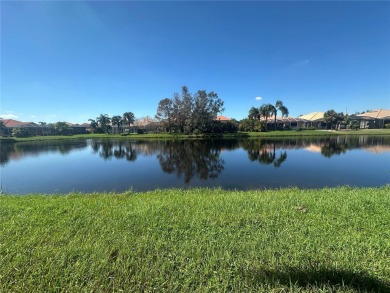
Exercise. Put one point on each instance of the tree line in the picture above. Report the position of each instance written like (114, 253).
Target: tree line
(103, 123)
(265, 111)
(192, 113)
(333, 120)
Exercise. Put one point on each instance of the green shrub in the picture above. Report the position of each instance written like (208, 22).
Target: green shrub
(20, 132)
(387, 125)
(354, 124)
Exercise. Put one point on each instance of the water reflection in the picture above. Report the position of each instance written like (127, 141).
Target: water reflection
(232, 163)
(119, 149)
(264, 152)
(190, 158)
(201, 157)
(16, 151)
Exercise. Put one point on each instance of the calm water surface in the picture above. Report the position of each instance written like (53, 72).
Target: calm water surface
(119, 165)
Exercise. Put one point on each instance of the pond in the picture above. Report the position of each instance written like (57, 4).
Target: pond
(120, 165)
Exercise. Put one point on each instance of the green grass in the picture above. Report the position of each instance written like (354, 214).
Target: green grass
(290, 133)
(202, 240)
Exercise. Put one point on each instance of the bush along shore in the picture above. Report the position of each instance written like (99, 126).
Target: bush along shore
(197, 240)
(267, 134)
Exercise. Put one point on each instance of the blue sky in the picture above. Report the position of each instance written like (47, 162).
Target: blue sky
(71, 61)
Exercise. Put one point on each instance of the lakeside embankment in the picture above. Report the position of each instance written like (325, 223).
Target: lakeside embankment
(268, 134)
(286, 240)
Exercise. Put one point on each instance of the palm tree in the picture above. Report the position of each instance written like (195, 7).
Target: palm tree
(117, 120)
(266, 111)
(43, 124)
(104, 121)
(330, 117)
(254, 113)
(93, 125)
(279, 106)
(129, 118)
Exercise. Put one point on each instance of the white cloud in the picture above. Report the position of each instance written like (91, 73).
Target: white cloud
(9, 116)
(259, 98)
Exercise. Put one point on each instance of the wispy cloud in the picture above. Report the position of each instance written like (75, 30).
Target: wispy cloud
(9, 116)
(259, 98)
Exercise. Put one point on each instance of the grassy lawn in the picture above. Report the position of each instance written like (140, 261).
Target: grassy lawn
(203, 240)
(290, 133)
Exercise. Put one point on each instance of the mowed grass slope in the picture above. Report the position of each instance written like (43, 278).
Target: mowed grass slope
(287, 240)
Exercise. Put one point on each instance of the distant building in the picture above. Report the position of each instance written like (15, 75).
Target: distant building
(284, 122)
(223, 118)
(372, 119)
(10, 124)
(314, 119)
(36, 129)
(78, 128)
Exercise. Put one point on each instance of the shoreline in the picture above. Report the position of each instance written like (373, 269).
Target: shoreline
(238, 135)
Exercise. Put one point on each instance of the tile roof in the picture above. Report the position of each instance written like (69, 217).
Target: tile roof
(271, 119)
(16, 123)
(375, 114)
(314, 116)
(222, 118)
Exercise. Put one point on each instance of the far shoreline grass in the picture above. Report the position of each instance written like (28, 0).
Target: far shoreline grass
(197, 240)
(267, 134)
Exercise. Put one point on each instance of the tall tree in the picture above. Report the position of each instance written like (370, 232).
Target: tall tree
(266, 111)
(183, 106)
(254, 113)
(61, 128)
(103, 121)
(93, 125)
(165, 112)
(330, 117)
(117, 121)
(43, 125)
(279, 107)
(206, 108)
(128, 118)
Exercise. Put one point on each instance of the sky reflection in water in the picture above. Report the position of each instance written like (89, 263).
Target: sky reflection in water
(119, 165)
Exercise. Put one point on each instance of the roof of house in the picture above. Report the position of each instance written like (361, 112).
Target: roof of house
(375, 114)
(75, 125)
(223, 118)
(314, 116)
(16, 123)
(280, 119)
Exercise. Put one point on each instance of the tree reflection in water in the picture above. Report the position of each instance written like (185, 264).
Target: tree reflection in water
(15, 151)
(192, 158)
(336, 146)
(118, 149)
(264, 152)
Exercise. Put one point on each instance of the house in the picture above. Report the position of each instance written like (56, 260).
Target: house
(78, 128)
(372, 119)
(222, 118)
(314, 119)
(284, 122)
(35, 129)
(10, 124)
